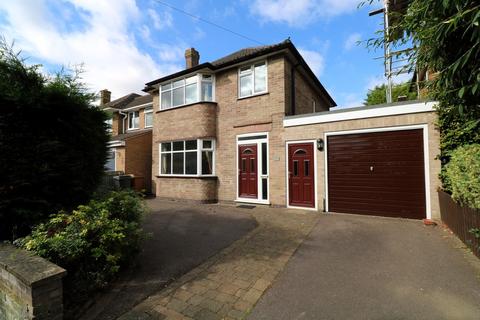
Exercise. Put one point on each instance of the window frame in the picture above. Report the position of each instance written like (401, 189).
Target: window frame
(198, 81)
(145, 112)
(128, 120)
(199, 150)
(114, 152)
(109, 123)
(252, 73)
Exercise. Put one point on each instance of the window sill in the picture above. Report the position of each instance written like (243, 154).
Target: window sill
(253, 95)
(187, 105)
(133, 129)
(186, 177)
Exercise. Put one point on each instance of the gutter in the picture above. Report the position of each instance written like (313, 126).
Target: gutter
(124, 115)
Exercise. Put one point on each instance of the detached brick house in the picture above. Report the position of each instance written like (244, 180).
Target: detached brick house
(131, 140)
(255, 127)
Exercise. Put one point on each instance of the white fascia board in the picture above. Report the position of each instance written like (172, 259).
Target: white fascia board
(140, 106)
(361, 114)
(116, 143)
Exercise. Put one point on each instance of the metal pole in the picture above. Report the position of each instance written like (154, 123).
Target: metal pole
(388, 57)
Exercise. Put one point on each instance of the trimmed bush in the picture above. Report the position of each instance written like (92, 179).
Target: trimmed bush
(92, 242)
(53, 144)
(462, 175)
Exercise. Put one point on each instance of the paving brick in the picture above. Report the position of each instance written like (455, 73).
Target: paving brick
(212, 305)
(177, 305)
(243, 305)
(183, 295)
(252, 295)
(236, 314)
(195, 300)
(206, 314)
(228, 288)
(261, 284)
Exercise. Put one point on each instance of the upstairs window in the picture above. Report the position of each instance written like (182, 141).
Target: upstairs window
(148, 118)
(186, 91)
(252, 79)
(133, 120)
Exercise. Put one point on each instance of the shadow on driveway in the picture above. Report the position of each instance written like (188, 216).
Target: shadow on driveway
(183, 236)
(355, 267)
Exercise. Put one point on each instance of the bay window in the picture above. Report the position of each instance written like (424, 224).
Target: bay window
(188, 90)
(188, 157)
(133, 120)
(252, 79)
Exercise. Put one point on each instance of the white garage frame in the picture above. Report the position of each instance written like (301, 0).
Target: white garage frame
(426, 157)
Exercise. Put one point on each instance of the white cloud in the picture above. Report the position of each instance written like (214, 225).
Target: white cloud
(352, 40)
(103, 43)
(314, 59)
(300, 12)
(160, 21)
(375, 81)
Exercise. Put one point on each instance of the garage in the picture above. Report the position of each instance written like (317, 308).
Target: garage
(379, 173)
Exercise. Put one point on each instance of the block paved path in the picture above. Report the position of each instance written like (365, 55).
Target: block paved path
(228, 285)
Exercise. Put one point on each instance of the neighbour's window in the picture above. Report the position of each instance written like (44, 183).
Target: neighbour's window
(110, 164)
(189, 157)
(148, 118)
(109, 123)
(186, 91)
(252, 79)
(133, 120)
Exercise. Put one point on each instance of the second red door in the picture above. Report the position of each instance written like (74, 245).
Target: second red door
(301, 180)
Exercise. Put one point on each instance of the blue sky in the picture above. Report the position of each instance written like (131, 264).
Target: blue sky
(125, 43)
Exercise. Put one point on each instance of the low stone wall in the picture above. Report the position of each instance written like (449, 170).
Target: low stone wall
(30, 286)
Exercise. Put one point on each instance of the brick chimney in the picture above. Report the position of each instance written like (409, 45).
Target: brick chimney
(192, 58)
(105, 96)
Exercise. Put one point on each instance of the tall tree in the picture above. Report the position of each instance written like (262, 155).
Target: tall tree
(378, 94)
(446, 38)
(53, 144)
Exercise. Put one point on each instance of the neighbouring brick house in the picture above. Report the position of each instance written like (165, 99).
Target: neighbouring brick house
(131, 140)
(256, 127)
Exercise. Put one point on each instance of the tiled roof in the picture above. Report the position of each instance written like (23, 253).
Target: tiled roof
(120, 103)
(244, 55)
(125, 136)
(247, 52)
(129, 101)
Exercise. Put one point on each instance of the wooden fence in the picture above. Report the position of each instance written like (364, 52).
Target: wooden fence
(460, 220)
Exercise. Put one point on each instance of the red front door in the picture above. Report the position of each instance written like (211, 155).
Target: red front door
(301, 181)
(247, 171)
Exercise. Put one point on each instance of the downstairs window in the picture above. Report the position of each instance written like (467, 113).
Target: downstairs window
(187, 157)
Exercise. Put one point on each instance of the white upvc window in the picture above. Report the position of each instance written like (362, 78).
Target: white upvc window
(187, 158)
(252, 79)
(110, 165)
(148, 118)
(133, 120)
(109, 123)
(179, 92)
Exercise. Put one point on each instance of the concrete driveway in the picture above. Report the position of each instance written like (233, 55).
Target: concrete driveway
(183, 235)
(355, 267)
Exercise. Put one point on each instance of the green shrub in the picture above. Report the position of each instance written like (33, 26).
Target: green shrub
(92, 242)
(53, 144)
(462, 175)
